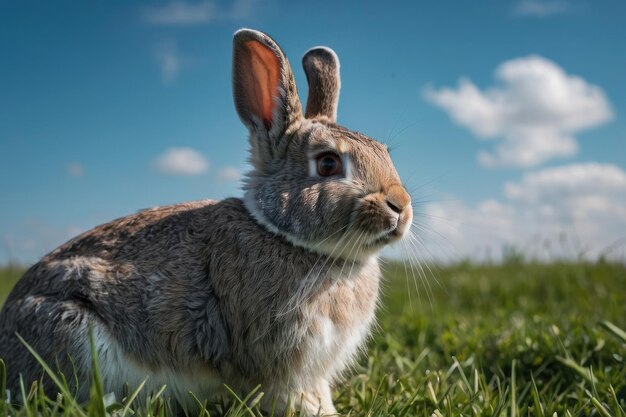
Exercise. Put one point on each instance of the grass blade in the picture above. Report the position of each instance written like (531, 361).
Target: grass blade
(613, 329)
(513, 390)
(581, 370)
(132, 397)
(52, 375)
(601, 409)
(96, 407)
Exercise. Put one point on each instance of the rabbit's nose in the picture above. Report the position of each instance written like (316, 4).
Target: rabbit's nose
(397, 198)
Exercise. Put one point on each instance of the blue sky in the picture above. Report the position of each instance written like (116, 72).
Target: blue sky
(110, 107)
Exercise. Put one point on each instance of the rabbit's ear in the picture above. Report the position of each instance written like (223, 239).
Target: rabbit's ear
(264, 89)
(321, 66)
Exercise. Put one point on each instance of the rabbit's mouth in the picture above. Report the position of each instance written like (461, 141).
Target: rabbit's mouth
(391, 236)
(397, 232)
(381, 241)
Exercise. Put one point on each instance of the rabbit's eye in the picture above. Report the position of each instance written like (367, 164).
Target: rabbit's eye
(328, 164)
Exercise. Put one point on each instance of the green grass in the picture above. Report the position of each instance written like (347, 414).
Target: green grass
(485, 340)
(8, 278)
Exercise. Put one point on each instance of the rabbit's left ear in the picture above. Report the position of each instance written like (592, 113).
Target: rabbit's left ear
(264, 89)
(321, 66)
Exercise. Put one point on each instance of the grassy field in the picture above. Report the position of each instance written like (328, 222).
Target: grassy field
(516, 339)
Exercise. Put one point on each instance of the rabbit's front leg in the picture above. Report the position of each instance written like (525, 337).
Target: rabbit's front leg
(318, 401)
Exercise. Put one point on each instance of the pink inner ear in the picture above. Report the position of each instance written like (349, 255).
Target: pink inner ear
(262, 79)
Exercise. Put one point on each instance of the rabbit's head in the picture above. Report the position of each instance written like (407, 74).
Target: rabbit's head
(320, 185)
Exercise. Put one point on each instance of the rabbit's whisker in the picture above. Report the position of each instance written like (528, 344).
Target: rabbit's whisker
(421, 272)
(355, 245)
(318, 244)
(412, 265)
(406, 274)
(422, 245)
(419, 240)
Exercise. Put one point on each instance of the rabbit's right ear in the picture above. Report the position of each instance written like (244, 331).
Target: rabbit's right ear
(264, 89)
(321, 66)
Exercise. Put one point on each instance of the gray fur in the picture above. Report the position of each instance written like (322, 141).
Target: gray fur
(279, 289)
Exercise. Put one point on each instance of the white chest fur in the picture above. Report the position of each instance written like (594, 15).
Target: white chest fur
(341, 320)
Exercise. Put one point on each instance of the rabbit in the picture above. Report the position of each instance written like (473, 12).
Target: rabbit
(278, 289)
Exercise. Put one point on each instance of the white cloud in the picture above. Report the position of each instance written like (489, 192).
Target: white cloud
(540, 8)
(170, 61)
(569, 181)
(563, 211)
(191, 13)
(74, 169)
(181, 161)
(533, 113)
(229, 174)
